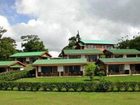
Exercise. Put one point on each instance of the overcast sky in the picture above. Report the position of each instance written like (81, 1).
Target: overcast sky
(54, 21)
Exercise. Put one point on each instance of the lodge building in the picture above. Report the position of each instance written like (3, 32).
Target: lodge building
(72, 62)
(6, 66)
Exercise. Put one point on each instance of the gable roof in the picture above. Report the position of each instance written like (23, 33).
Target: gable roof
(123, 51)
(60, 62)
(97, 42)
(82, 51)
(29, 54)
(10, 63)
(131, 60)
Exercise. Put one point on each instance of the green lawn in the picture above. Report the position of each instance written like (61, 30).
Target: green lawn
(71, 98)
(54, 79)
(124, 78)
(80, 79)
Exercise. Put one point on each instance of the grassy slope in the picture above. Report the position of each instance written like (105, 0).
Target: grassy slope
(54, 98)
(80, 79)
(124, 78)
(54, 79)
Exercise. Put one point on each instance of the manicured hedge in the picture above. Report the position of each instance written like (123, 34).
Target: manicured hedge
(102, 86)
(14, 75)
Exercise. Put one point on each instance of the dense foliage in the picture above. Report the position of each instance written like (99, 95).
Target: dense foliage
(32, 43)
(7, 45)
(102, 86)
(73, 41)
(130, 43)
(90, 70)
(14, 75)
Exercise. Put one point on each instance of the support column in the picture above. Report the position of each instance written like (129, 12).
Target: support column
(60, 69)
(107, 70)
(7, 69)
(82, 69)
(59, 74)
(83, 56)
(98, 57)
(36, 72)
(127, 67)
(124, 56)
(130, 71)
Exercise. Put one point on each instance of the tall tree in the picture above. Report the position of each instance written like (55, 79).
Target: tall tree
(2, 31)
(72, 41)
(123, 42)
(135, 43)
(32, 43)
(78, 38)
(7, 45)
(130, 43)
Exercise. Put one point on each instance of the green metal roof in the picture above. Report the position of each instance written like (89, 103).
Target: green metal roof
(130, 60)
(124, 51)
(28, 54)
(7, 63)
(16, 66)
(82, 51)
(97, 42)
(60, 61)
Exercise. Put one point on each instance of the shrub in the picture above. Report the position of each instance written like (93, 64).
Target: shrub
(23, 85)
(48, 86)
(125, 85)
(138, 85)
(34, 86)
(119, 86)
(133, 85)
(44, 86)
(89, 70)
(103, 86)
(59, 86)
(5, 85)
(14, 75)
(89, 87)
(67, 86)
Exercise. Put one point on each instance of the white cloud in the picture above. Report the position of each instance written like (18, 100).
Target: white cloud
(5, 24)
(54, 53)
(56, 20)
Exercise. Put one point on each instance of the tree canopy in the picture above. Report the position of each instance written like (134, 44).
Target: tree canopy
(72, 41)
(130, 43)
(7, 45)
(90, 70)
(2, 31)
(32, 43)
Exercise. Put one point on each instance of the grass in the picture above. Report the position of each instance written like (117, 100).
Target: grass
(54, 79)
(64, 98)
(81, 79)
(135, 78)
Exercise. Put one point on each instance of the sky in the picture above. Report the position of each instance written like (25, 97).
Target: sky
(55, 21)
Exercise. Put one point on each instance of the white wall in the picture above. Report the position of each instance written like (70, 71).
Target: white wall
(126, 67)
(21, 69)
(39, 69)
(60, 68)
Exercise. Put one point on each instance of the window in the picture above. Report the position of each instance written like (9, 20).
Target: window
(91, 58)
(74, 56)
